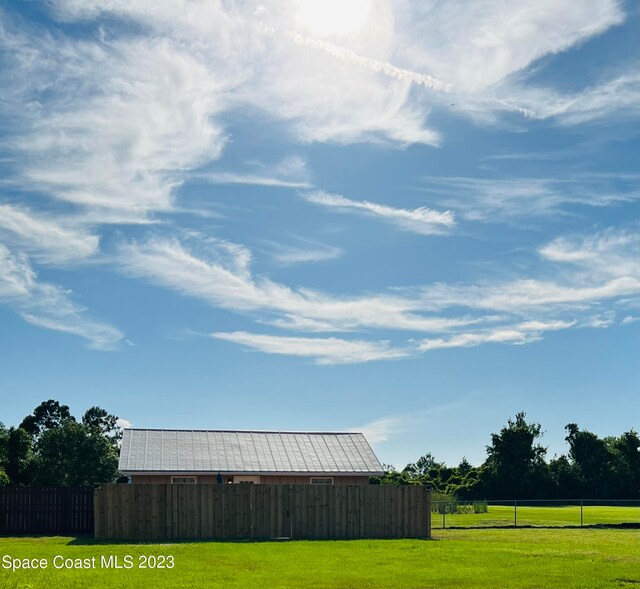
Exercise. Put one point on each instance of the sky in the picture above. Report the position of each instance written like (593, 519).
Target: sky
(410, 219)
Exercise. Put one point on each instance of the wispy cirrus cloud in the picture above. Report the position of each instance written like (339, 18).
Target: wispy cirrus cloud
(324, 351)
(290, 172)
(522, 333)
(475, 45)
(618, 97)
(591, 269)
(46, 237)
(629, 319)
(250, 179)
(140, 117)
(302, 251)
(512, 312)
(49, 306)
(114, 120)
(380, 430)
(502, 199)
(225, 279)
(194, 63)
(614, 253)
(420, 220)
(286, 80)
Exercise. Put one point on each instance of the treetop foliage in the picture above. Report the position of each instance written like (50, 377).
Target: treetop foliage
(51, 448)
(516, 467)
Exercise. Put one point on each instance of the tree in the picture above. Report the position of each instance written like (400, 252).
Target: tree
(423, 465)
(49, 414)
(626, 450)
(75, 454)
(464, 467)
(105, 423)
(595, 462)
(515, 464)
(4, 440)
(20, 457)
(565, 478)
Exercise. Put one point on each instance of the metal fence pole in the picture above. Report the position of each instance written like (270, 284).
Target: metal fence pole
(515, 513)
(444, 511)
(580, 512)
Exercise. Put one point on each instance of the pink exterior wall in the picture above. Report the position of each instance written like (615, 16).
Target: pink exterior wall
(265, 479)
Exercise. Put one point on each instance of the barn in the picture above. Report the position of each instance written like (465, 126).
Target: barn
(250, 457)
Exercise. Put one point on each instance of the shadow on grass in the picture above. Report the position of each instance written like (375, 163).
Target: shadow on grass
(91, 541)
(623, 526)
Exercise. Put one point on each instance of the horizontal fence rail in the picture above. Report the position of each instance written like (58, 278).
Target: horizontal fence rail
(163, 512)
(44, 510)
(535, 513)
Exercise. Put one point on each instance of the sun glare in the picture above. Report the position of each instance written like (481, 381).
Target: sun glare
(332, 17)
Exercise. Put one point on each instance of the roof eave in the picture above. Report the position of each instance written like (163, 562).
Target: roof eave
(249, 473)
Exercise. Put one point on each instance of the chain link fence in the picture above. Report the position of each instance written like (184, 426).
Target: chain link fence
(535, 513)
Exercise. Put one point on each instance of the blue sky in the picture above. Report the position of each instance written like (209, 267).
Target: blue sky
(412, 219)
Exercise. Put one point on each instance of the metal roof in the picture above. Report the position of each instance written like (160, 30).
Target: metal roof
(212, 451)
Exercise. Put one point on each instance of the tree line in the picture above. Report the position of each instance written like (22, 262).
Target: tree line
(51, 447)
(516, 467)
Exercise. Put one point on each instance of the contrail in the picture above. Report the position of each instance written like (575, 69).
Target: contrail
(529, 114)
(373, 64)
(384, 67)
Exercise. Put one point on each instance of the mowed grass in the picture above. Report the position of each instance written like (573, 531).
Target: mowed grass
(502, 515)
(462, 559)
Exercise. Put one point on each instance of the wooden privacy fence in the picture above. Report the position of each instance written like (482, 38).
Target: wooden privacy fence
(46, 510)
(162, 512)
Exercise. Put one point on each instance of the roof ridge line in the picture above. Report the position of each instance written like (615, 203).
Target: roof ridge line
(241, 431)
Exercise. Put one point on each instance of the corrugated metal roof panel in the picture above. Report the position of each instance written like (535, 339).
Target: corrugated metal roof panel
(154, 450)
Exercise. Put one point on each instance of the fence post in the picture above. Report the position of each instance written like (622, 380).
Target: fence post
(580, 512)
(444, 521)
(515, 513)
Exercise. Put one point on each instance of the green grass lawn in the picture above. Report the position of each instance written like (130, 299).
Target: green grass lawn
(501, 515)
(461, 559)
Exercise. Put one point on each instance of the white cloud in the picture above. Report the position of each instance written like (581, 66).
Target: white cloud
(527, 294)
(47, 305)
(609, 253)
(475, 45)
(123, 423)
(252, 180)
(291, 172)
(48, 238)
(114, 124)
(388, 69)
(140, 116)
(593, 269)
(619, 96)
(151, 105)
(303, 252)
(287, 80)
(605, 267)
(491, 199)
(520, 310)
(420, 220)
(522, 333)
(382, 429)
(226, 280)
(324, 351)
(147, 108)
(600, 321)
(630, 319)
